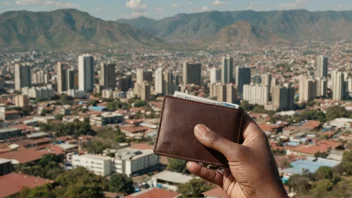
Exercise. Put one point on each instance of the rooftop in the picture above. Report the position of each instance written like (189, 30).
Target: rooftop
(22, 155)
(13, 183)
(2, 161)
(38, 134)
(132, 154)
(6, 130)
(154, 193)
(92, 156)
(67, 146)
(173, 177)
(216, 192)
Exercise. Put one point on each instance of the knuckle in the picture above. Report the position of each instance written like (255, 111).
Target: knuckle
(215, 139)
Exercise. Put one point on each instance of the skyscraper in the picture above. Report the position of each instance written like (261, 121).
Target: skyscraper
(145, 91)
(227, 69)
(70, 79)
(256, 94)
(61, 78)
(307, 89)
(257, 79)
(283, 97)
(192, 73)
(338, 83)
(243, 77)
(86, 73)
(266, 79)
(221, 92)
(322, 86)
(23, 77)
(231, 94)
(159, 81)
(322, 67)
(107, 76)
(170, 82)
(215, 75)
(140, 76)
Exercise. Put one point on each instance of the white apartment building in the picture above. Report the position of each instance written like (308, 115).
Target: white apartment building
(215, 75)
(127, 161)
(99, 165)
(256, 94)
(130, 161)
(159, 81)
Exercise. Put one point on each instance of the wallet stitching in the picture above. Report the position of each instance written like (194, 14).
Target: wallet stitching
(161, 119)
(240, 129)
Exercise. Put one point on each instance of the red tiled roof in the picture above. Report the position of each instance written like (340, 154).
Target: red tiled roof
(141, 146)
(216, 192)
(267, 127)
(330, 143)
(311, 149)
(13, 183)
(23, 155)
(154, 193)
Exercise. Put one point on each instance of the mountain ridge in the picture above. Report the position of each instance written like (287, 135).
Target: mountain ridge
(68, 29)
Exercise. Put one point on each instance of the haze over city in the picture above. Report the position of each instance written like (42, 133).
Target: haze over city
(84, 86)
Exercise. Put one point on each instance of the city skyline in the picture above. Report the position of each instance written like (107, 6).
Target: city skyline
(113, 10)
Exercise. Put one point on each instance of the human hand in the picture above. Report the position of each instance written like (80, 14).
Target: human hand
(252, 169)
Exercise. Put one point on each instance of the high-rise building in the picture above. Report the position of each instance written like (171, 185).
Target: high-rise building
(212, 90)
(61, 78)
(283, 97)
(21, 101)
(322, 87)
(227, 69)
(23, 77)
(215, 75)
(349, 84)
(266, 79)
(70, 79)
(145, 91)
(231, 94)
(257, 79)
(221, 92)
(322, 67)
(107, 76)
(243, 77)
(140, 76)
(86, 73)
(256, 94)
(170, 82)
(307, 89)
(338, 83)
(2, 84)
(159, 81)
(192, 73)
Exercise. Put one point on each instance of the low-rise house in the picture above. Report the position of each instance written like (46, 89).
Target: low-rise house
(12, 184)
(7, 133)
(154, 193)
(170, 180)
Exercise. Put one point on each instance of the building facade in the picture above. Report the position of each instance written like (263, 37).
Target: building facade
(192, 73)
(243, 77)
(107, 76)
(23, 77)
(227, 70)
(256, 94)
(86, 73)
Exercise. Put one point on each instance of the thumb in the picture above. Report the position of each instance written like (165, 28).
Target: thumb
(232, 151)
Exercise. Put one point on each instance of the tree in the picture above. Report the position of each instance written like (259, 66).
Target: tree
(176, 165)
(321, 188)
(96, 146)
(140, 103)
(345, 167)
(324, 172)
(194, 188)
(114, 105)
(41, 191)
(245, 105)
(59, 116)
(336, 112)
(321, 154)
(299, 183)
(80, 182)
(120, 183)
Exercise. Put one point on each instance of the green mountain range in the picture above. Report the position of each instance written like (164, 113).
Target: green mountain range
(292, 25)
(68, 29)
(72, 29)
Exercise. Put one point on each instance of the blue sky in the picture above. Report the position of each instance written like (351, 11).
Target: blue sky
(115, 9)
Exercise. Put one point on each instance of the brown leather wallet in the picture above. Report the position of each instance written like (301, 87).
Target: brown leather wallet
(176, 129)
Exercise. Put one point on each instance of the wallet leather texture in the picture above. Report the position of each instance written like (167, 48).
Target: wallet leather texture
(176, 137)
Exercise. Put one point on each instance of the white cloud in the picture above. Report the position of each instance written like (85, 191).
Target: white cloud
(205, 9)
(135, 4)
(99, 9)
(297, 4)
(175, 5)
(190, 2)
(135, 15)
(48, 3)
(218, 3)
(254, 5)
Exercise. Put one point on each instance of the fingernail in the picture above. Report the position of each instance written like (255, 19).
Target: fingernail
(201, 130)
